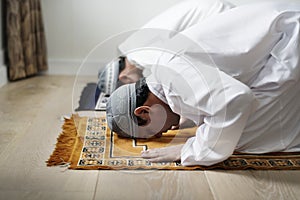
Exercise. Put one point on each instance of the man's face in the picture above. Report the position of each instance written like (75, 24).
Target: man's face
(130, 74)
(162, 118)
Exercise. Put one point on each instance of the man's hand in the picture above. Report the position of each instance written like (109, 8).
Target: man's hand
(166, 154)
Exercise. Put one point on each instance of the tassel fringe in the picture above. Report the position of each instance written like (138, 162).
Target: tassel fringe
(65, 144)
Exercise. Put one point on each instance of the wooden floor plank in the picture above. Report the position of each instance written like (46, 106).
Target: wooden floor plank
(30, 120)
(44, 195)
(23, 159)
(251, 185)
(152, 185)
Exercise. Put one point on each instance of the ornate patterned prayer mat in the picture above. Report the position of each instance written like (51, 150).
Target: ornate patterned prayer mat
(87, 143)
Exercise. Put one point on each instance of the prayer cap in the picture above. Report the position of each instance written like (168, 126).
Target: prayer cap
(108, 78)
(120, 111)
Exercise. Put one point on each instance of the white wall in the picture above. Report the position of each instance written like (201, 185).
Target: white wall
(3, 69)
(75, 27)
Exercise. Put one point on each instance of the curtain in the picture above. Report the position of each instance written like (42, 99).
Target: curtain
(26, 42)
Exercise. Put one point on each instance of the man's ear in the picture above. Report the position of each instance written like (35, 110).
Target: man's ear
(143, 112)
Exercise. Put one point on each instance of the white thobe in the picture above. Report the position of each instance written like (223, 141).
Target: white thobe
(246, 96)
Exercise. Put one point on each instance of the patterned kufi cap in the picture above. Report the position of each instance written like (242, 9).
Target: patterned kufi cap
(120, 111)
(108, 78)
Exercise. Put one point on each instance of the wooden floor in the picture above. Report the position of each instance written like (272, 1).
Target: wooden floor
(31, 113)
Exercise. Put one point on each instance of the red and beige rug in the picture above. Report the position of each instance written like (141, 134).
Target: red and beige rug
(87, 143)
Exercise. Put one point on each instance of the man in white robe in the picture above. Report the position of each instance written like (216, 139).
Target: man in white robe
(237, 80)
(141, 48)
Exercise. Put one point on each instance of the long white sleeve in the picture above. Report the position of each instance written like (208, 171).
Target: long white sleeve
(204, 92)
(217, 137)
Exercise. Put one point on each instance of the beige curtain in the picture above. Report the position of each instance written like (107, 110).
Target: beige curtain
(26, 43)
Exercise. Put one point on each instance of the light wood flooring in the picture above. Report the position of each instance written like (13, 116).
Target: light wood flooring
(31, 113)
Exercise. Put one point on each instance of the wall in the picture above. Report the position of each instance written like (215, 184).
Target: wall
(83, 35)
(75, 27)
(3, 69)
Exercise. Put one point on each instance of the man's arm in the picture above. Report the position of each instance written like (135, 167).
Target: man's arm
(218, 136)
(217, 103)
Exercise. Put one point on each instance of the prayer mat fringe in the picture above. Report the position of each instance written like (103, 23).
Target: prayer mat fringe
(65, 144)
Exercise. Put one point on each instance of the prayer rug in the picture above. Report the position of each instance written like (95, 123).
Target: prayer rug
(87, 143)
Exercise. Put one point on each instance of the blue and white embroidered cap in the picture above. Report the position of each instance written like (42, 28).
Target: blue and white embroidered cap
(108, 78)
(120, 111)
